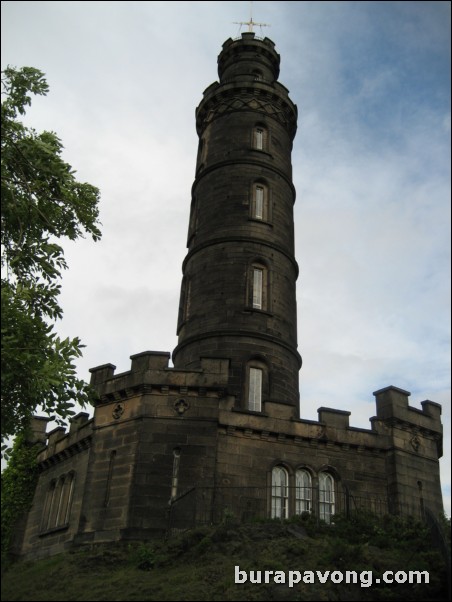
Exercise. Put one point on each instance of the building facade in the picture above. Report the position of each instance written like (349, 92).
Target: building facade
(220, 432)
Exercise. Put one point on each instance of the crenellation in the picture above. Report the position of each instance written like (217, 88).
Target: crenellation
(334, 418)
(101, 373)
(78, 421)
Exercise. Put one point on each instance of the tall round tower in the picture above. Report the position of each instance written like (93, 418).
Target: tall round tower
(238, 298)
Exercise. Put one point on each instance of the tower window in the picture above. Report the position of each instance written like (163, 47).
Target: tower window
(326, 497)
(257, 287)
(303, 492)
(259, 141)
(259, 138)
(280, 493)
(175, 475)
(258, 275)
(255, 390)
(259, 202)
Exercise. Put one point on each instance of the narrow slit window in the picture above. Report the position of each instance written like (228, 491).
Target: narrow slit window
(257, 287)
(48, 507)
(255, 390)
(62, 486)
(259, 138)
(109, 477)
(175, 475)
(55, 504)
(259, 202)
(70, 493)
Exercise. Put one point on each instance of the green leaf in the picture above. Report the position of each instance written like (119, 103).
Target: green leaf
(41, 203)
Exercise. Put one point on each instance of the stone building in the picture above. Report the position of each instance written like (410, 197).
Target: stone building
(220, 432)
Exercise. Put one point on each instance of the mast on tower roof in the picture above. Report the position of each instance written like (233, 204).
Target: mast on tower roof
(251, 23)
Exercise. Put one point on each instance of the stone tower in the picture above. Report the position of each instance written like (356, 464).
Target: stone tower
(219, 433)
(238, 296)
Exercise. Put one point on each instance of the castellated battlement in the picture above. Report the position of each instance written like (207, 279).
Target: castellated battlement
(151, 389)
(150, 373)
(58, 444)
(159, 434)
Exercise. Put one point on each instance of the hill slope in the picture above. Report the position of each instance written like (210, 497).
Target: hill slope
(200, 565)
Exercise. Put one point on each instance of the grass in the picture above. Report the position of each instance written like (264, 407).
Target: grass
(199, 564)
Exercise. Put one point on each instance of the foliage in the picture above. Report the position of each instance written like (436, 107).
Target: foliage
(387, 531)
(41, 202)
(199, 565)
(18, 486)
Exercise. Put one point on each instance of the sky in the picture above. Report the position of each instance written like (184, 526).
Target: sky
(371, 164)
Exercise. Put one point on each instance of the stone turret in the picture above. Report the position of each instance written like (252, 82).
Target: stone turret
(238, 290)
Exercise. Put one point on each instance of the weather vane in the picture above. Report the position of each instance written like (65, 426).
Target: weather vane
(251, 23)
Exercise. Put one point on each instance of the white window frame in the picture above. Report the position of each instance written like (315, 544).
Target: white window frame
(258, 284)
(303, 491)
(326, 497)
(255, 378)
(280, 493)
(259, 201)
(259, 134)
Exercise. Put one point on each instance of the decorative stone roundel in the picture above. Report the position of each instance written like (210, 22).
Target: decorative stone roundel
(415, 443)
(181, 406)
(118, 411)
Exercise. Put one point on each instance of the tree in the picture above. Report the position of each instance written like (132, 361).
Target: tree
(41, 202)
(18, 486)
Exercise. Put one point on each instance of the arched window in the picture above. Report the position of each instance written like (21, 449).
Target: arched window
(260, 202)
(280, 492)
(260, 137)
(48, 506)
(259, 193)
(258, 284)
(58, 502)
(326, 497)
(256, 379)
(303, 491)
(56, 505)
(258, 279)
(255, 389)
(66, 499)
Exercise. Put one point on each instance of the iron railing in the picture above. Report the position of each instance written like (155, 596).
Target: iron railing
(212, 505)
